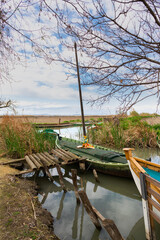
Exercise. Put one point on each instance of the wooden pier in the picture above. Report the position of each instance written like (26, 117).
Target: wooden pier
(44, 161)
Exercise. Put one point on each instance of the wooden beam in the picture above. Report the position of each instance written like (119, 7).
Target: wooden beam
(30, 163)
(61, 178)
(74, 178)
(95, 175)
(51, 157)
(13, 161)
(24, 172)
(109, 226)
(89, 209)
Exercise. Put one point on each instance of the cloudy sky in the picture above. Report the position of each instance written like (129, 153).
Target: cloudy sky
(41, 88)
(38, 88)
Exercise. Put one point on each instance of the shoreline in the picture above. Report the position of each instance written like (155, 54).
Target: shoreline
(21, 214)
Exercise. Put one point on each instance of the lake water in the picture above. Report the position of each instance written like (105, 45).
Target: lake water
(115, 198)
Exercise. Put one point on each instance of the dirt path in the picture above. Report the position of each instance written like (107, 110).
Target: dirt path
(21, 215)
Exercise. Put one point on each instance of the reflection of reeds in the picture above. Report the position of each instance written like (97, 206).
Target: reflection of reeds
(21, 138)
(125, 133)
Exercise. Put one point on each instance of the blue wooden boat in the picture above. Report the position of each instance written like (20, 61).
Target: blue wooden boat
(147, 179)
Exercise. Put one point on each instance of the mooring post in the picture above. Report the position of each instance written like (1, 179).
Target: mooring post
(61, 177)
(95, 175)
(89, 209)
(74, 178)
(147, 223)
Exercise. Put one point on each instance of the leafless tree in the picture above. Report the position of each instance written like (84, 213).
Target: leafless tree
(118, 42)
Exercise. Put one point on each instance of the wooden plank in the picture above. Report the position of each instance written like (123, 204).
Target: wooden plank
(51, 157)
(24, 172)
(68, 154)
(153, 181)
(48, 159)
(112, 229)
(72, 155)
(154, 203)
(137, 165)
(89, 209)
(30, 163)
(45, 166)
(38, 165)
(147, 162)
(60, 156)
(74, 178)
(44, 160)
(154, 215)
(155, 194)
(13, 161)
(64, 154)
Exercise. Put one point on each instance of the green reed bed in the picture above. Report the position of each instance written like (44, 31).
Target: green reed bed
(21, 138)
(124, 132)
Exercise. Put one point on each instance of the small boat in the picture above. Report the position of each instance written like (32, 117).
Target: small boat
(147, 179)
(102, 159)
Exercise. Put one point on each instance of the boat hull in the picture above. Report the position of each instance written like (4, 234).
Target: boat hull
(103, 160)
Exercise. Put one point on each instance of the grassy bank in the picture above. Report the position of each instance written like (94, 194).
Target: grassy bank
(20, 139)
(21, 215)
(125, 132)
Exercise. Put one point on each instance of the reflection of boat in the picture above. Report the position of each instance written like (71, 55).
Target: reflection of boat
(147, 179)
(102, 159)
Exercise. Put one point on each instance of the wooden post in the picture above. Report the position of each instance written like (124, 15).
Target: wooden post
(82, 187)
(80, 93)
(109, 226)
(147, 222)
(82, 165)
(89, 209)
(74, 178)
(61, 177)
(95, 175)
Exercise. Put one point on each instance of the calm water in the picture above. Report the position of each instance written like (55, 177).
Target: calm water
(116, 198)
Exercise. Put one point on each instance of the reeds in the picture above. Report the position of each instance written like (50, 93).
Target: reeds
(126, 132)
(21, 138)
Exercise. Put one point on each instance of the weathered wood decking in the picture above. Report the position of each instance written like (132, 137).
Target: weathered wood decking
(44, 161)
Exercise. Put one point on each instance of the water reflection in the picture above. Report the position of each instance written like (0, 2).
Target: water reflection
(116, 198)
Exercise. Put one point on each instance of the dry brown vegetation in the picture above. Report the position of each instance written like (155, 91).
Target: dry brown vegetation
(20, 139)
(124, 133)
(21, 216)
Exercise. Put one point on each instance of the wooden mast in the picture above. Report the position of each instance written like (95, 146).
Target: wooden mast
(80, 93)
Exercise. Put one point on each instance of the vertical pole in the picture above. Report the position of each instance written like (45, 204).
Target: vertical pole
(147, 222)
(74, 178)
(80, 93)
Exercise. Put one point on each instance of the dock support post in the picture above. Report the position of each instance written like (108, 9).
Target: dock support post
(89, 209)
(147, 223)
(74, 178)
(61, 177)
(95, 175)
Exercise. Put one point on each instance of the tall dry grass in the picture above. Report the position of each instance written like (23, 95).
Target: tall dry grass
(124, 133)
(21, 138)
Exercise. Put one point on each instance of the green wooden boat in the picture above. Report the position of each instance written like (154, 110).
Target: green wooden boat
(102, 159)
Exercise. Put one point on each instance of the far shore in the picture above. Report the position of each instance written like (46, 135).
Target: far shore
(57, 119)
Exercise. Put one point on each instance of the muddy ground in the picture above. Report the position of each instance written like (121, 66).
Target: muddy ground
(21, 215)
